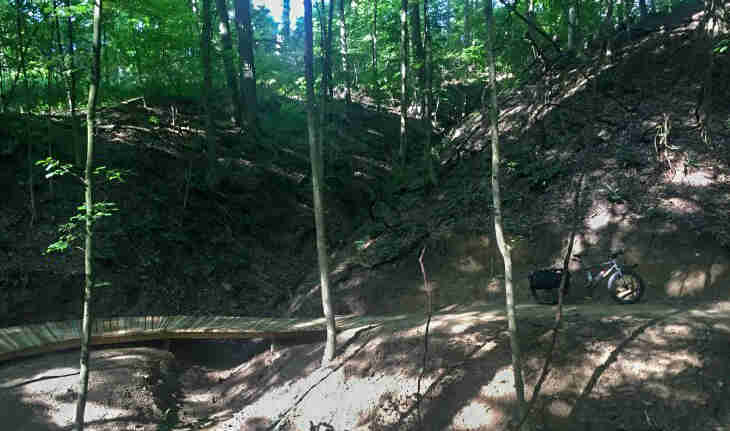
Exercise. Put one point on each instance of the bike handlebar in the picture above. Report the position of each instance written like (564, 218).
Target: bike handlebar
(612, 255)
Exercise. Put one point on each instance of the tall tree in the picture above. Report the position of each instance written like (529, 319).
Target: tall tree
(467, 23)
(403, 83)
(89, 204)
(207, 92)
(428, 93)
(224, 30)
(315, 156)
(285, 21)
(246, 58)
(345, 53)
(572, 27)
(72, 76)
(504, 248)
(374, 40)
(419, 54)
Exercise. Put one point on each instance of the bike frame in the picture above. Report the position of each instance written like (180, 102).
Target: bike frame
(609, 267)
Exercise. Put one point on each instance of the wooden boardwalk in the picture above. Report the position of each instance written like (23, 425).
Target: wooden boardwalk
(19, 341)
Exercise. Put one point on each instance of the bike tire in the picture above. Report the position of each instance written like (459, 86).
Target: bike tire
(618, 284)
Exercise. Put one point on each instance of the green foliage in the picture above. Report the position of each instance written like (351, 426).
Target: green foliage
(71, 232)
(722, 46)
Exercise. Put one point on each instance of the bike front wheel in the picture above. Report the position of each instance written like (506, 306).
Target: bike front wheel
(627, 287)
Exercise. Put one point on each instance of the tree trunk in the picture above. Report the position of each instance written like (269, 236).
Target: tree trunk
(571, 28)
(498, 229)
(374, 50)
(643, 9)
(285, 21)
(419, 54)
(467, 23)
(605, 31)
(316, 162)
(207, 90)
(532, 25)
(628, 4)
(224, 29)
(71, 89)
(403, 83)
(428, 93)
(344, 54)
(248, 70)
(88, 249)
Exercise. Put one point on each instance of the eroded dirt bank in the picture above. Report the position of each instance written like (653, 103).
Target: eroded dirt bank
(643, 367)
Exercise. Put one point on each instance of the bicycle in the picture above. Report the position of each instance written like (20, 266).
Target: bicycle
(624, 285)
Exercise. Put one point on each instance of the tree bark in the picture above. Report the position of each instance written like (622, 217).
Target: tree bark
(467, 23)
(246, 57)
(316, 162)
(498, 225)
(88, 249)
(344, 53)
(571, 28)
(286, 21)
(419, 54)
(71, 89)
(428, 93)
(207, 90)
(224, 29)
(403, 83)
(605, 31)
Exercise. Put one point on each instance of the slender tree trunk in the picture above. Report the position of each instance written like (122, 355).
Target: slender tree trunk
(49, 86)
(427, 89)
(315, 158)
(403, 83)
(419, 54)
(286, 21)
(224, 29)
(498, 229)
(374, 50)
(325, 47)
(88, 249)
(22, 49)
(531, 27)
(643, 11)
(467, 23)
(207, 90)
(605, 31)
(344, 53)
(628, 4)
(248, 70)
(78, 145)
(571, 28)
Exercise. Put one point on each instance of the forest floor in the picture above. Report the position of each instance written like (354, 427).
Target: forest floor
(647, 367)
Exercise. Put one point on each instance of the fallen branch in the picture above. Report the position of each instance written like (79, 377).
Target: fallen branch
(559, 312)
(429, 313)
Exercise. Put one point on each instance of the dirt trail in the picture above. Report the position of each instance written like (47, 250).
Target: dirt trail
(642, 367)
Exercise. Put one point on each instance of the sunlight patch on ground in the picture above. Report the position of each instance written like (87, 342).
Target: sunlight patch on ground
(469, 264)
(686, 282)
(600, 220)
(476, 415)
(695, 179)
(44, 384)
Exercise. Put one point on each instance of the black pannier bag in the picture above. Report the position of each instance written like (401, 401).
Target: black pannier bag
(544, 285)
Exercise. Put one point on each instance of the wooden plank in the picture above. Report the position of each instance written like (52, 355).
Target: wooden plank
(20, 341)
(53, 336)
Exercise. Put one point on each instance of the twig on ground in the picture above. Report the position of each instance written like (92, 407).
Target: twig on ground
(559, 312)
(429, 312)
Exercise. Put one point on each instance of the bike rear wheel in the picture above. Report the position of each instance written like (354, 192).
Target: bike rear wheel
(626, 288)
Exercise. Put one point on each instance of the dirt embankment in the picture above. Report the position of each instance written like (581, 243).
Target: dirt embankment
(641, 367)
